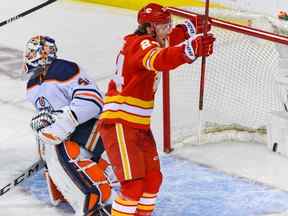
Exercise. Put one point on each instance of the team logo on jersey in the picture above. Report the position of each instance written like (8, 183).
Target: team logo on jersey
(83, 82)
(43, 104)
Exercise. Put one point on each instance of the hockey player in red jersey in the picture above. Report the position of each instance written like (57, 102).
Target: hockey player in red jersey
(125, 121)
(68, 105)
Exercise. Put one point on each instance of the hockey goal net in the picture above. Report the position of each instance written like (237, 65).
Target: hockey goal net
(239, 88)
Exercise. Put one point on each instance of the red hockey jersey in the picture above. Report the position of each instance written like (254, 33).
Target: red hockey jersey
(130, 96)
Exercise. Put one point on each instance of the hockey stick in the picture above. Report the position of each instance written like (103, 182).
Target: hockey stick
(101, 211)
(35, 167)
(203, 64)
(203, 70)
(26, 12)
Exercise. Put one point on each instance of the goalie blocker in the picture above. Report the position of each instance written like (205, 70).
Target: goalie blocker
(277, 132)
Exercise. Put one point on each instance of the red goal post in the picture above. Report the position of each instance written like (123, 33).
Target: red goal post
(221, 24)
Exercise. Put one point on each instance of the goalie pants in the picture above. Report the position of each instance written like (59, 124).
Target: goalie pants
(135, 161)
(87, 136)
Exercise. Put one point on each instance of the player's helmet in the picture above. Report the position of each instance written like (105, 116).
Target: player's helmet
(153, 13)
(40, 51)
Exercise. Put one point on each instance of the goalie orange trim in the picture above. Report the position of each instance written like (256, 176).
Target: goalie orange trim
(50, 136)
(98, 99)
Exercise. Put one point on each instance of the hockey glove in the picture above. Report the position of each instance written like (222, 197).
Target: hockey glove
(199, 46)
(195, 25)
(64, 125)
(41, 120)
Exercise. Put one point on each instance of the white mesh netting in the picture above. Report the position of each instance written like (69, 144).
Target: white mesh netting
(239, 90)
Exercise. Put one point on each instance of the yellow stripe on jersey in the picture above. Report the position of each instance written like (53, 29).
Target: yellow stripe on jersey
(125, 116)
(146, 207)
(125, 202)
(129, 100)
(149, 195)
(116, 213)
(123, 152)
(146, 203)
(145, 59)
(149, 58)
(123, 207)
(152, 59)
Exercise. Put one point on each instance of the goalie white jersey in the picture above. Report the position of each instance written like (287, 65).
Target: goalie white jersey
(66, 85)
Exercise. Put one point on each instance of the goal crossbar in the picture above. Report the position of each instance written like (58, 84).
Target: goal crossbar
(233, 26)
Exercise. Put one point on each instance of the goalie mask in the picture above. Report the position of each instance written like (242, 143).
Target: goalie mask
(40, 51)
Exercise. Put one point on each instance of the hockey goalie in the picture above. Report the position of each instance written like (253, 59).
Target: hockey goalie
(67, 105)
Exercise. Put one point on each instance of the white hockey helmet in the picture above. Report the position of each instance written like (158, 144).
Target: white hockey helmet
(39, 52)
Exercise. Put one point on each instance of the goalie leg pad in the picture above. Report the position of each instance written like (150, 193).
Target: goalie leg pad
(277, 136)
(82, 182)
(54, 194)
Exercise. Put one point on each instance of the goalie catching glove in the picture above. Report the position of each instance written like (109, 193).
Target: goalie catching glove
(55, 127)
(199, 46)
(41, 120)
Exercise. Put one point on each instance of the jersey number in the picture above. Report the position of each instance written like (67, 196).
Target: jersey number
(145, 44)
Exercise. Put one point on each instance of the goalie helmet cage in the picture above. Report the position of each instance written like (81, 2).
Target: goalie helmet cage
(239, 86)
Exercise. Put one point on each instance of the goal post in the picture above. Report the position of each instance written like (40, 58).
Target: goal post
(239, 87)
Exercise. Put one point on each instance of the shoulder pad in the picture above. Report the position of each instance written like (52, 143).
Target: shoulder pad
(31, 83)
(62, 70)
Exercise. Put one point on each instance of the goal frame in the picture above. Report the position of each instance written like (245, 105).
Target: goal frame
(167, 146)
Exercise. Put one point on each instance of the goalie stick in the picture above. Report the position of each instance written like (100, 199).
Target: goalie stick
(12, 19)
(30, 171)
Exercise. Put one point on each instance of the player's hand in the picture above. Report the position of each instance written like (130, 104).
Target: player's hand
(195, 25)
(199, 46)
